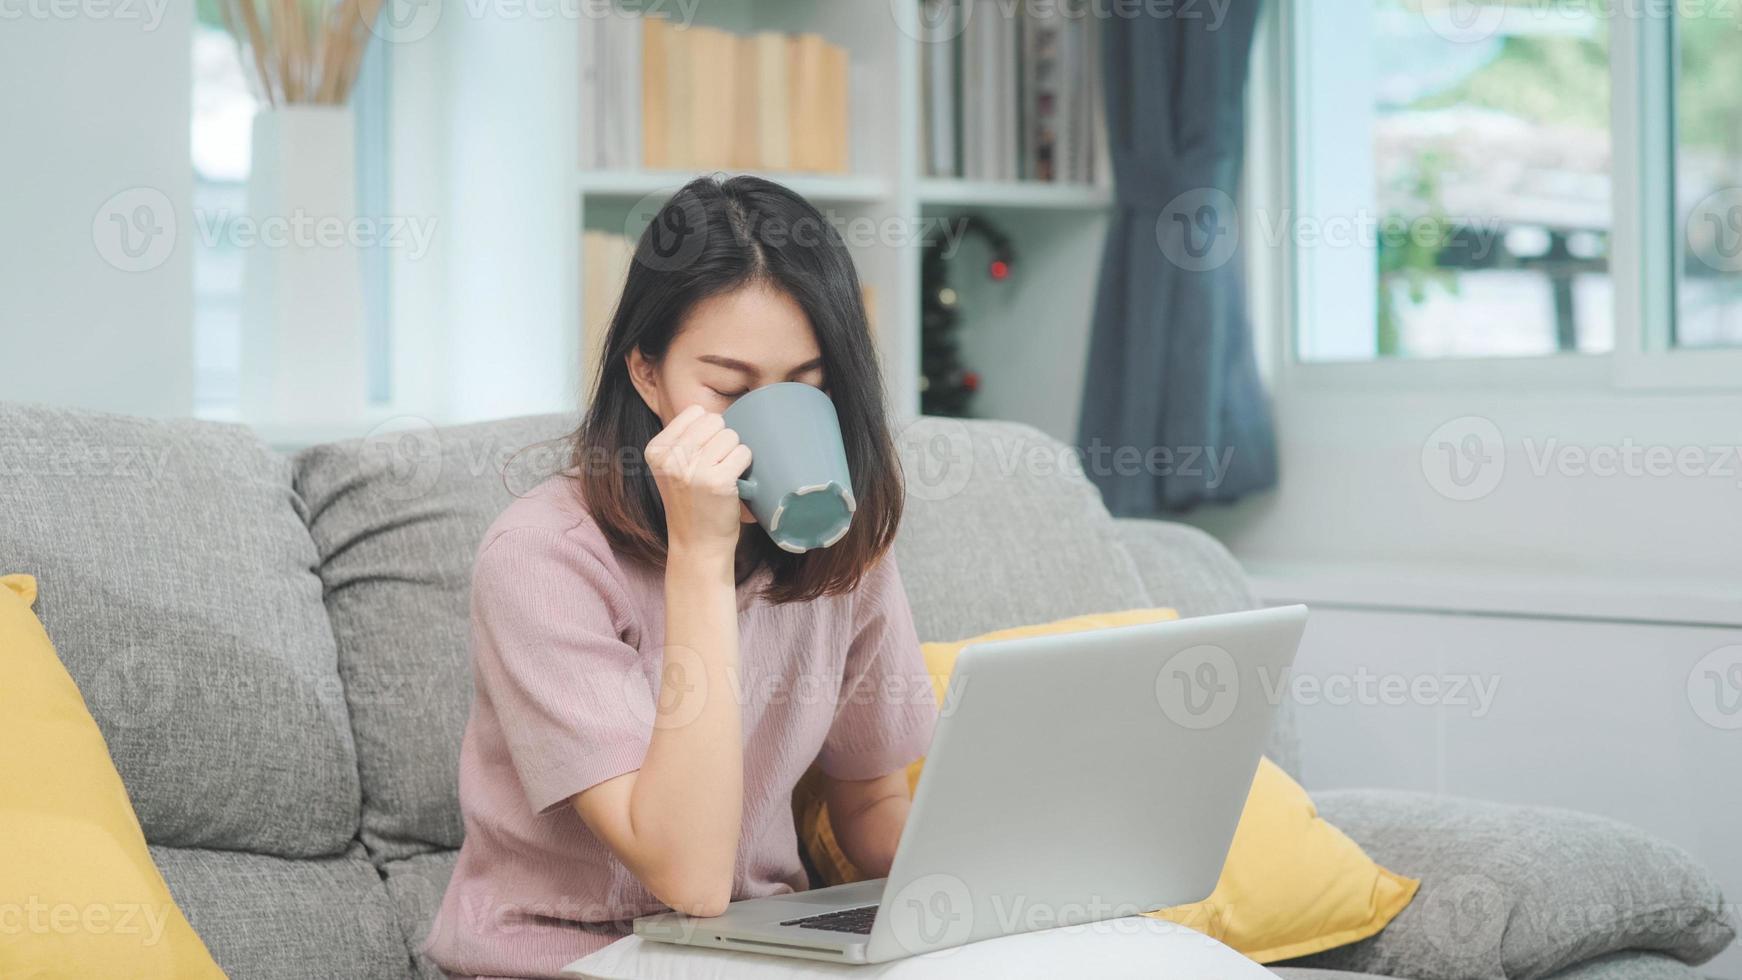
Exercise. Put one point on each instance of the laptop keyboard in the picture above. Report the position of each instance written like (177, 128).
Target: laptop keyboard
(857, 920)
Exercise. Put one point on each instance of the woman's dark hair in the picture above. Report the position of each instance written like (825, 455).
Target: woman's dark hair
(715, 236)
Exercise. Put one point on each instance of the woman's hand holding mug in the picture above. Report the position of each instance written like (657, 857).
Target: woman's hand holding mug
(696, 462)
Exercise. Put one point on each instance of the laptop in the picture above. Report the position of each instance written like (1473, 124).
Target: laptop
(1071, 779)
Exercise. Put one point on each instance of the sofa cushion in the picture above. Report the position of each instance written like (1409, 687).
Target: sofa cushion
(1185, 568)
(1616, 966)
(177, 582)
(416, 885)
(1516, 893)
(267, 918)
(1002, 529)
(396, 519)
(1632, 965)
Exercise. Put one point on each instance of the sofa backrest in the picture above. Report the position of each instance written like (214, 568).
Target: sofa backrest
(276, 649)
(396, 520)
(999, 529)
(177, 581)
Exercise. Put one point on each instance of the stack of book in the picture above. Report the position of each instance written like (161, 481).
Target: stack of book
(1012, 91)
(661, 96)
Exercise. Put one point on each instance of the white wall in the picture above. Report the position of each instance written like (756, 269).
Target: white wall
(96, 105)
(1356, 487)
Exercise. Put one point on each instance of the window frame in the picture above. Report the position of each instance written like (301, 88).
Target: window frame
(1645, 235)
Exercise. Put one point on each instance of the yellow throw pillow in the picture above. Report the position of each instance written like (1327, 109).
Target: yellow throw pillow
(79, 894)
(1292, 885)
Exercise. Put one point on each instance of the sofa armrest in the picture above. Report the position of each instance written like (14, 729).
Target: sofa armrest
(1185, 568)
(1516, 893)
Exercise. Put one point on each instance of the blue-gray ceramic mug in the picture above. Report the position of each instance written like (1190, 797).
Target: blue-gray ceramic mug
(797, 485)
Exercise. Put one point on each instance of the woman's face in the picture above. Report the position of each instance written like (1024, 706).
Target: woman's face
(728, 345)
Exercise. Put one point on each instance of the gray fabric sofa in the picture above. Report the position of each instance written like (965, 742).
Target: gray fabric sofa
(275, 650)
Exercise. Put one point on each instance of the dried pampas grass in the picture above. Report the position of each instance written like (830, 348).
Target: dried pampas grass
(301, 52)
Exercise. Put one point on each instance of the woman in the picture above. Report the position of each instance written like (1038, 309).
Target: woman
(652, 674)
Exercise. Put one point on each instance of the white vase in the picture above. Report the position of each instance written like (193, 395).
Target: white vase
(303, 350)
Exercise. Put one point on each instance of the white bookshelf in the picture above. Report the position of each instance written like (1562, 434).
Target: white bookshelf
(1026, 336)
(1016, 195)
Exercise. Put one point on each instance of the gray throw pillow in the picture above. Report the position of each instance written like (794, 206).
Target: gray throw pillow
(1518, 893)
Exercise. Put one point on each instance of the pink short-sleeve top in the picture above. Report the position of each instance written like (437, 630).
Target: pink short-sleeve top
(566, 647)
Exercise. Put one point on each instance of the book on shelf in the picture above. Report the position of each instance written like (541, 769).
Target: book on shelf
(661, 96)
(605, 258)
(610, 74)
(1014, 93)
(773, 95)
(939, 89)
(651, 96)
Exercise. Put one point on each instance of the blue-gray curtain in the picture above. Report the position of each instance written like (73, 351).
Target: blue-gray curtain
(1173, 410)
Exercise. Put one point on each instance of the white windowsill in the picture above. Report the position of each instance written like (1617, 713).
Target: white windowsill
(1462, 590)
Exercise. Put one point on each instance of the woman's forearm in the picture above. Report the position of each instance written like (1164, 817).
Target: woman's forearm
(867, 816)
(675, 821)
(688, 801)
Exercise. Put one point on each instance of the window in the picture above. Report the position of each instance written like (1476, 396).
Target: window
(1709, 177)
(223, 111)
(1482, 179)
